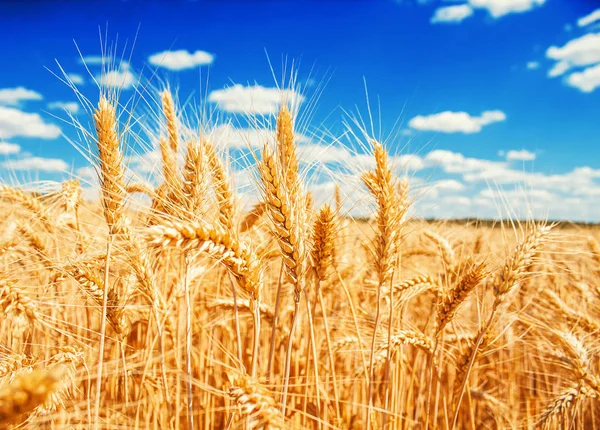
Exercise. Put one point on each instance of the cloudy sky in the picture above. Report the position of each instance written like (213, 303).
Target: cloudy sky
(492, 107)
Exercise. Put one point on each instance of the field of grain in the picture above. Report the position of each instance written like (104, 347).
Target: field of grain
(189, 312)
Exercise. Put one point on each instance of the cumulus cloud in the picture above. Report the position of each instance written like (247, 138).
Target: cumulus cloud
(587, 80)
(579, 52)
(532, 65)
(181, 59)
(14, 96)
(37, 163)
(72, 107)
(498, 8)
(584, 21)
(7, 148)
(522, 155)
(14, 122)
(123, 79)
(105, 61)
(454, 162)
(449, 185)
(452, 14)
(75, 78)
(252, 99)
(456, 122)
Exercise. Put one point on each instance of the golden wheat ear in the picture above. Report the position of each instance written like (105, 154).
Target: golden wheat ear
(112, 175)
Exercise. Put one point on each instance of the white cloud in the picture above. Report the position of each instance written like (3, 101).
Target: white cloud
(105, 61)
(253, 99)
(522, 155)
(7, 148)
(589, 19)
(14, 122)
(120, 79)
(455, 14)
(314, 153)
(410, 162)
(454, 162)
(182, 59)
(72, 107)
(583, 51)
(76, 79)
(13, 96)
(37, 163)
(587, 80)
(456, 122)
(498, 8)
(532, 65)
(449, 185)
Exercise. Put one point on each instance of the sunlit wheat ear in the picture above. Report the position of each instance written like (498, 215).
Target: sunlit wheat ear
(337, 198)
(323, 241)
(284, 213)
(26, 392)
(111, 163)
(169, 164)
(70, 202)
(139, 187)
(217, 243)
(93, 285)
(286, 146)
(579, 358)
(194, 177)
(28, 201)
(34, 240)
(451, 300)
(257, 404)
(595, 249)
(568, 314)
(565, 401)
(444, 247)
(222, 187)
(387, 349)
(383, 186)
(516, 266)
(253, 216)
(13, 299)
(172, 126)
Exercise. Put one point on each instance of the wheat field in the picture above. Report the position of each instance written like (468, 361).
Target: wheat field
(189, 311)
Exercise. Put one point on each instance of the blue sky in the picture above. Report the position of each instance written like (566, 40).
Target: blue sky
(478, 95)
